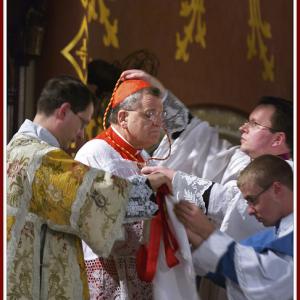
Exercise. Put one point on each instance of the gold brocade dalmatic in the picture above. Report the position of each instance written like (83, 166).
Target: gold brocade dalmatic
(52, 203)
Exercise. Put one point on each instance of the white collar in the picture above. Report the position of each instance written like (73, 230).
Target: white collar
(286, 225)
(35, 130)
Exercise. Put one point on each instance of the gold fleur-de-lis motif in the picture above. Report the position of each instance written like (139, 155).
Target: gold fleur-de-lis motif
(101, 13)
(91, 11)
(111, 37)
(259, 29)
(76, 51)
(195, 9)
(84, 3)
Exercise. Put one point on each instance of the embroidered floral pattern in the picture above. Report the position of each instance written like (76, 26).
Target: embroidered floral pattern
(190, 188)
(51, 201)
(21, 277)
(55, 185)
(16, 171)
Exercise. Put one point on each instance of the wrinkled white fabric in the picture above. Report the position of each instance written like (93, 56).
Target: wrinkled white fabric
(198, 151)
(261, 276)
(177, 283)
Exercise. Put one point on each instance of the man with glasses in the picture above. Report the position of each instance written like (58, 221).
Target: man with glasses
(136, 120)
(207, 166)
(261, 266)
(53, 201)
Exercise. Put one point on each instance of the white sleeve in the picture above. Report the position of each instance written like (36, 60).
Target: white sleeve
(91, 153)
(229, 210)
(263, 275)
(260, 276)
(189, 151)
(224, 203)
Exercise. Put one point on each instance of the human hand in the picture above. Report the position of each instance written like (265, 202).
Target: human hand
(158, 179)
(193, 219)
(169, 173)
(140, 74)
(195, 239)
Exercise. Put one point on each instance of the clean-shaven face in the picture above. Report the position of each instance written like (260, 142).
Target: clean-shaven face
(144, 124)
(256, 137)
(74, 126)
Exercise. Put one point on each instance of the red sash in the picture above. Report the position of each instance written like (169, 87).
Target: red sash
(147, 255)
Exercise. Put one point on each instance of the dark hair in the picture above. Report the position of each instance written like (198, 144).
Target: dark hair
(104, 75)
(64, 89)
(282, 119)
(266, 169)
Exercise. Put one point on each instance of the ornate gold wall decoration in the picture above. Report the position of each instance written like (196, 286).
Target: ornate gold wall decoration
(195, 9)
(79, 59)
(76, 51)
(111, 37)
(84, 3)
(259, 29)
(101, 13)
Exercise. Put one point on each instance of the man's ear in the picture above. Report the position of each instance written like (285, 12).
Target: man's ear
(122, 118)
(63, 110)
(279, 139)
(277, 186)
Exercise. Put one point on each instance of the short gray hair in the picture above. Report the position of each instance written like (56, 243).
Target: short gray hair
(130, 102)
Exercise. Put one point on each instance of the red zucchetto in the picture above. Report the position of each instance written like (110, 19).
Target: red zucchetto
(126, 88)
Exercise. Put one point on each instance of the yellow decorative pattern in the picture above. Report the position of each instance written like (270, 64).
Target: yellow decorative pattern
(10, 220)
(259, 29)
(74, 202)
(55, 185)
(102, 16)
(84, 3)
(78, 45)
(91, 11)
(110, 38)
(195, 9)
(76, 52)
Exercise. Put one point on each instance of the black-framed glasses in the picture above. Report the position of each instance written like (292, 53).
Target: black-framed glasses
(252, 200)
(254, 124)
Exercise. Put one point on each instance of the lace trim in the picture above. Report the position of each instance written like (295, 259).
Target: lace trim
(103, 279)
(190, 188)
(140, 206)
(177, 114)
